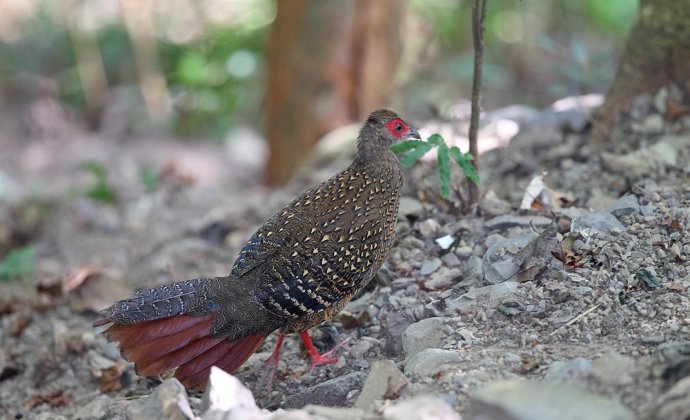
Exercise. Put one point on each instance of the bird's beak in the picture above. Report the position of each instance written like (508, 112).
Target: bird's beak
(413, 134)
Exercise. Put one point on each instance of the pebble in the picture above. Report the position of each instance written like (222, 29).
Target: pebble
(443, 278)
(424, 334)
(595, 224)
(463, 252)
(429, 266)
(514, 400)
(451, 260)
(168, 401)
(422, 407)
(333, 392)
(429, 228)
(430, 361)
(384, 381)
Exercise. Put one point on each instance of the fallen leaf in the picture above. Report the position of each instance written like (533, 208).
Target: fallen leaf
(57, 398)
(111, 378)
(92, 289)
(349, 320)
(675, 109)
(19, 322)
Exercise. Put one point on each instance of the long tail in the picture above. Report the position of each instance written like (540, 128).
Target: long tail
(169, 327)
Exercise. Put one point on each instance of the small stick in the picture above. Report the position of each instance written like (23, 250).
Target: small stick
(577, 318)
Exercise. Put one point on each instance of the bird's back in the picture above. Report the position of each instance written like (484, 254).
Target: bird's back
(326, 245)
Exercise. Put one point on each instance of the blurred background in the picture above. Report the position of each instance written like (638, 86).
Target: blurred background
(287, 71)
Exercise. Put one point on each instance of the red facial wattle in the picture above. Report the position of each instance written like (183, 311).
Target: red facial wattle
(397, 127)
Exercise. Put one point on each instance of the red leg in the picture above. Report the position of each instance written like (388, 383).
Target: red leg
(316, 358)
(270, 366)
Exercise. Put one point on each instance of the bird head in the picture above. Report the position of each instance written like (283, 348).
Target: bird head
(382, 129)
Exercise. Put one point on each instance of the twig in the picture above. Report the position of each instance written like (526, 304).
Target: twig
(577, 318)
(478, 15)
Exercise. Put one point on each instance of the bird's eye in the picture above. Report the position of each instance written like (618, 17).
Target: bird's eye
(398, 127)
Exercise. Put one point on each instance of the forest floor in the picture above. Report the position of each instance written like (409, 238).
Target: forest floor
(502, 314)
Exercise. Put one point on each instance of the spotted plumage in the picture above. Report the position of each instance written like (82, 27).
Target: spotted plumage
(299, 269)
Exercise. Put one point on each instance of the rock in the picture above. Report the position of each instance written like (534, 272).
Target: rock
(509, 221)
(625, 206)
(517, 400)
(463, 252)
(226, 398)
(450, 260)
(330, 413)
(499, 292)
(674, 403)
(429, 228)
(653, 124)
(445, 241)
(394, 323)
(595, 224)
(52, 416)
(498, 264)
(410, 207)
(384, 381)
(443, 278)
(660, 100)
(613, 369)
(430, 361)
(562, 370)
(167, 402)
(429, 266)
(332, 393)
(421, 408)
(492, 206)
(427, 333)
(96, 409)
(663, 153)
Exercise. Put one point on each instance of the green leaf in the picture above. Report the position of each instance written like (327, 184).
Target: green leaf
(410, 158)
(465, 162)
(149, 179)
(17, 263)
(406, 145)
(444, 170)
(436, 140)
(647, 279)
(101, 190)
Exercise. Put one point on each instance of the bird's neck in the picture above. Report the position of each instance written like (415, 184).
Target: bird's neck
(368, 154)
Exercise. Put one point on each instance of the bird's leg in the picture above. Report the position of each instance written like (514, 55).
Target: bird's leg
(270, 367)
(316, 358)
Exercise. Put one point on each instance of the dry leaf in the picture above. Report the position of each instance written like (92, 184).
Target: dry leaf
(93, 289)
(57, 398)
(111, 378)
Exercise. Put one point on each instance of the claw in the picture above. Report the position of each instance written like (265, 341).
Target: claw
(316, 358)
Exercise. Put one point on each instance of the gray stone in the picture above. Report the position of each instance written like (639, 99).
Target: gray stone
(521, 400)
(410, 207)
(53, 416)
(499, 292)
(427, 333)
(613, 369)
(443, 278)
(332, 393)
(320, 412)
(384, 381)
(509, 221)
(625, 206)
(226, 398)
(674, 403)
(429, 266)
(498, 265)
(430, 361)
(394, 323)
(660, 100)
(429, 228)
(167, 402)
(95, 409)
(463, 252)
(653, 124)
(422, 407)
(450, 260)
(562, 370)
(595, 224)
(493, 206)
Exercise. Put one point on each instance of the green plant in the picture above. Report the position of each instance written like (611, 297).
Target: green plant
(149, 178)
(100, 191)
(413, 150)
(17, 263)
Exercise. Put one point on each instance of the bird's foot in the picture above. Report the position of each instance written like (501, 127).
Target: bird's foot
(268, 368)
(316, 358)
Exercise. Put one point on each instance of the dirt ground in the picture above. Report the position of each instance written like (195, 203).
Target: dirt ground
(598, 299)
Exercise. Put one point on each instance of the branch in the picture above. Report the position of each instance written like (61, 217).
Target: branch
(478, 15)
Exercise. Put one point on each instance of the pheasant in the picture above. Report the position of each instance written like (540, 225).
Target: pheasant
(298, 270)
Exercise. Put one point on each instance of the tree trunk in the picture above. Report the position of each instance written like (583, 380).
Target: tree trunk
(329, 63)
(656, 54)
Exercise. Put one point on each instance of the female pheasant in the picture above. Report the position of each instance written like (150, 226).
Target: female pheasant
(298, 270)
